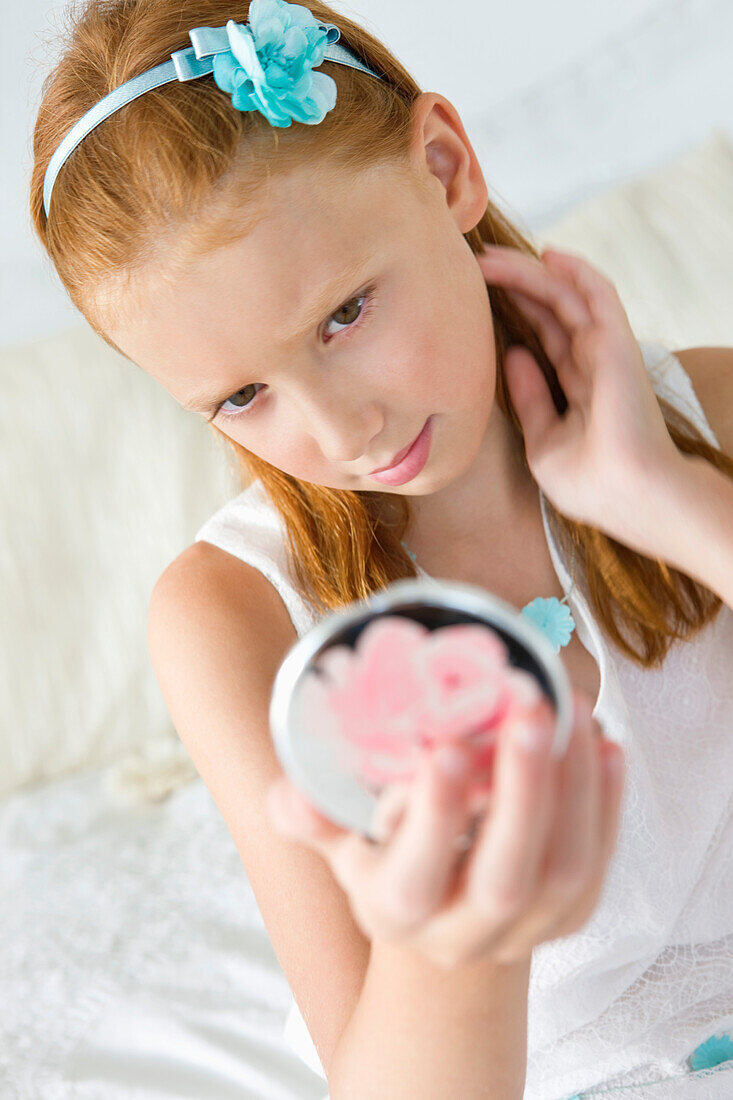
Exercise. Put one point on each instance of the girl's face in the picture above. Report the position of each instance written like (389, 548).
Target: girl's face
(324, 339)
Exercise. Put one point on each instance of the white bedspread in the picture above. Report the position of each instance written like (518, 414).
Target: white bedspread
(135, 960)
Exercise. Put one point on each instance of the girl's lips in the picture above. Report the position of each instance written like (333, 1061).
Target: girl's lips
(398, 457)
(413, 461)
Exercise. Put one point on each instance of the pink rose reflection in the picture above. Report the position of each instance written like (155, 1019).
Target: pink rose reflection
(404, 687)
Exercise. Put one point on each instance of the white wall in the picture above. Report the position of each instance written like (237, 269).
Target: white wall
(560, 100)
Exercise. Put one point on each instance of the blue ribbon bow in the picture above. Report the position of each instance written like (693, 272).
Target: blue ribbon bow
(266, 65)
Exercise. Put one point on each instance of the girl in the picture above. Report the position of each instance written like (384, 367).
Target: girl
(299, 246)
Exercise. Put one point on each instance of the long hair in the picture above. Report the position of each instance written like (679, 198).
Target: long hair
(175, 170)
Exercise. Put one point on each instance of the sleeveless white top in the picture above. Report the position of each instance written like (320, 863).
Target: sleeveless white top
(618, 1007)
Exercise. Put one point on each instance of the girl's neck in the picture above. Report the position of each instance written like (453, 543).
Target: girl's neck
(496, 499)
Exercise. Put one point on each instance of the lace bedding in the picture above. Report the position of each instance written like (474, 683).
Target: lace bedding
(134, 960)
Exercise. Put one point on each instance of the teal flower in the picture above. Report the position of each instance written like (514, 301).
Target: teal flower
(713, 1052)
(553, 618)
(269, 65)
(718, 1048)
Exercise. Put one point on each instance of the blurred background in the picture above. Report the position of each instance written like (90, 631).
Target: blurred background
(134, 961)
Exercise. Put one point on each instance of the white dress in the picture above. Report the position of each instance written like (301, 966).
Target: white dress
(617, 1008)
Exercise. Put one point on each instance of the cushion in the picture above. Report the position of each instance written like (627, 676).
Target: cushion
(104, 479)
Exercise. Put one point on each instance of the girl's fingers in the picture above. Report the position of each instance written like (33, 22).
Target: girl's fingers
(509, 846)
(492, 885)
(389, 811)
(573, 841)
(599, 292)
(575, 809)
(553, 336)
(611, 788)
(523, 273)
(613, 766)
(417, 864)
(556, 343)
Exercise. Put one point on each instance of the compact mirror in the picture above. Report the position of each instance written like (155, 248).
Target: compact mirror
(343, 776)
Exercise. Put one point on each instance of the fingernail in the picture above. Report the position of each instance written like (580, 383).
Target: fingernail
(451, 761)
(533, 736)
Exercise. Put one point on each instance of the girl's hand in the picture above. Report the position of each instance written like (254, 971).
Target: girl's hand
(594, 461)
(536, 867)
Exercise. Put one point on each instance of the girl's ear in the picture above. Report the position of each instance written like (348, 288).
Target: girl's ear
(440, 147)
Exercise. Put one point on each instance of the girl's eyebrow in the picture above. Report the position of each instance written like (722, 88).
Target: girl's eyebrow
(334, 290)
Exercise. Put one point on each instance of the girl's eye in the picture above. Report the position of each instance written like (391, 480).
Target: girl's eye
(351, 316)
(242, 408)
(347, 310)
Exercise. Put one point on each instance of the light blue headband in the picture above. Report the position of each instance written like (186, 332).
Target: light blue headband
(265, 65)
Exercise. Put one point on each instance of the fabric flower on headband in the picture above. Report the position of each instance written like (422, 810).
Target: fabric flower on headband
(270, 62)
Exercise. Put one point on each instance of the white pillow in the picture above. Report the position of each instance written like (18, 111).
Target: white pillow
(104, 480)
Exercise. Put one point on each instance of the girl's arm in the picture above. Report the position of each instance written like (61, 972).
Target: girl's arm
(711, 374)
(421, 1031)
(218, 632)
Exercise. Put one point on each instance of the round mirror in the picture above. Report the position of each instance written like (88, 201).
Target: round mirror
(354, 703)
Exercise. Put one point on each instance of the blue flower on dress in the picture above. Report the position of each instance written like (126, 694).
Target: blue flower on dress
(718, 1048)
(553, 618)
(269, 65)
(713, 1052)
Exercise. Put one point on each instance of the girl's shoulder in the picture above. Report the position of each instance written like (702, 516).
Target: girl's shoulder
(710, 375)
(671, 381)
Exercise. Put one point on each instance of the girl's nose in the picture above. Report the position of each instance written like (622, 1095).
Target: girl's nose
(343, 427)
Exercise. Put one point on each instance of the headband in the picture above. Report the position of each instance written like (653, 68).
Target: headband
(265, 65)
